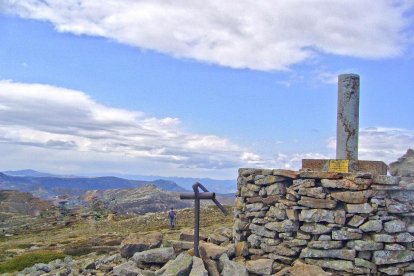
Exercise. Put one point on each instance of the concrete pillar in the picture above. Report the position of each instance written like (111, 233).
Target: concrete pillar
(347, 124)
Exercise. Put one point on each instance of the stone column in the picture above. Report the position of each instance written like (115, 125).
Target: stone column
(347, 124)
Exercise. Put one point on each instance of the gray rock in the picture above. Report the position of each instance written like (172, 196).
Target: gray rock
(42, 267)
(156, 256)
(392, 270)
(395, 226)
(180, 246)
(283, 226)
(346, 234)
(231, 268)
(392, 257)
(402, 237)
(328, 253)
(317, 203)
(364, 263)
(372, 226)
(261, 231)
(254, 207)
(343, 184)
(198, 268)
(365, 245)
(386, 180)
(394, 246)
(395, 207)
(404, 166)
(339, 265)
(325, 244)
(317, 215)
(254, 240)
(211, 267)
(210, 250)
(356, 221)
(127, 269)
(270, 179)
(315, 228)
(217, 238)
(260, 266)
(181, 266)
(277, 213)
(276, 189)
(357, 197)
(364, 208)
(316, 192)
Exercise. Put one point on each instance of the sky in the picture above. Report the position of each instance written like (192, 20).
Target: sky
(198, 88)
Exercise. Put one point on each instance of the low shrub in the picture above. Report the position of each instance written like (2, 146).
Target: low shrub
(29, 259)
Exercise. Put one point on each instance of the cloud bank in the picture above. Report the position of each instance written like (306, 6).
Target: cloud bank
(260, 35)
(56, 118)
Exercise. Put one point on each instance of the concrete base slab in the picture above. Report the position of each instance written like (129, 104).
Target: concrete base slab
(353, 166)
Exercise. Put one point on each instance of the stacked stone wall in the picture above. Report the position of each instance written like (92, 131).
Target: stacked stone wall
(347, 224)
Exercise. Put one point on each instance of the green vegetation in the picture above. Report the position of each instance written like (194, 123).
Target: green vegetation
(28, 259)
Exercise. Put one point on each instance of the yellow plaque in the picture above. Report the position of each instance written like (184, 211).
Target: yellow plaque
(341, 166)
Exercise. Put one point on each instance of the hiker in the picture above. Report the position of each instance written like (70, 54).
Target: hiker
(172, 215)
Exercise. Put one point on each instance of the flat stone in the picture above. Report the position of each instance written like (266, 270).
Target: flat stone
(386, 180)
(276, 189)
(302, 183)
(128, 268)
(315, 228)
(270, 200)
(277, 213)
(261, 231)
(356, 221)
(137, 242)
(316, 192)
(353, 197)
(391, 257)
(254, 207)
(364, 208)
(317, 203)
(364, 263)
(260, 266)
(365, 245)
(248, 171)
(377, 187)
(325, 244)
(211, 267)
(181, 245)
(346, 234)
(392, 270)
(343, 184)
(283, 226)
(395, 207)
(301, 269)
(394, 246)
(339, 265)
(198, 268)
(372, 226)
(286, 173)
(320, 175)
(285, 251)
(328, 253)
(317, 215)
(245, 192)
(292, 214)
(395, 226)
(340, 216)
(156, 256)
(270, 179)
(402, 237)
(279, 258)
(252, 187)
(255, 240)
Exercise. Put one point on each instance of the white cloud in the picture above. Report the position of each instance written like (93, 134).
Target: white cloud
(263, 35)
(382, 143)
(55, 118)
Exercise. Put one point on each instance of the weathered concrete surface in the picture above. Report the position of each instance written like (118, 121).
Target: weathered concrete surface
(347, 125)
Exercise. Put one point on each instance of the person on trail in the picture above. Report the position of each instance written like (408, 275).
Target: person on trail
(172, 215)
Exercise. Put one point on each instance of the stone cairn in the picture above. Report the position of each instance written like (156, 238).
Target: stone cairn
(345, 223)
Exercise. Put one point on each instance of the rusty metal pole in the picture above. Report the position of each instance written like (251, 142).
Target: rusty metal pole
(347, 125)
(196, 220)
(197, 196)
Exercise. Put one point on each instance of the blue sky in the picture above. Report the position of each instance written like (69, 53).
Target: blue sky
(198, 88)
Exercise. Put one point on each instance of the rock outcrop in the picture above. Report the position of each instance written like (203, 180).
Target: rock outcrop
(404, 166)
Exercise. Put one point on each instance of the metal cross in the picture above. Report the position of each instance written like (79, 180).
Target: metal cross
(197, 196)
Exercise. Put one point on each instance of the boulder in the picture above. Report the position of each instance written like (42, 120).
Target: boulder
(198, 268)
(211, 267)
(188, 235)
(230, 268)
(181, 266)
(128, 268)
(404, 166)
(210, 250)
(154, 256)
(137, 242)
(260, 266)
(301, 269)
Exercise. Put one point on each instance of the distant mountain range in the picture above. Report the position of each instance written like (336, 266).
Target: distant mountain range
(45, 185)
